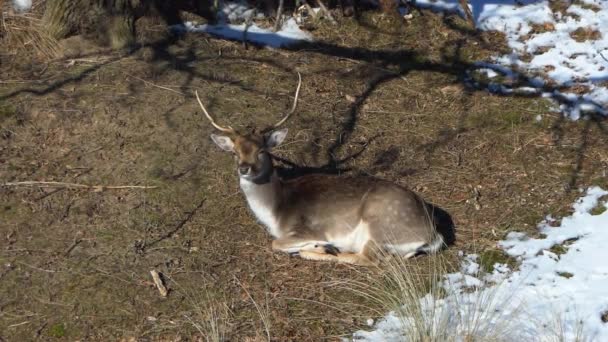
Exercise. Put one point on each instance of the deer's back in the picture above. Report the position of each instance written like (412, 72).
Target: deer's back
(340, 203)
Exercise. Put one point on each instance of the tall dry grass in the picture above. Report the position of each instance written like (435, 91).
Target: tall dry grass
(210, 314)
(426, 306)
(25, 33)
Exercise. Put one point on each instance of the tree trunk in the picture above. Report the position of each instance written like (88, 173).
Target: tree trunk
(121, 31)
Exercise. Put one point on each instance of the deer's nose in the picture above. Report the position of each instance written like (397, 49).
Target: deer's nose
(244, 170)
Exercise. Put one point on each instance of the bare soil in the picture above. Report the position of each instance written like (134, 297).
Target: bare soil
(75, 263)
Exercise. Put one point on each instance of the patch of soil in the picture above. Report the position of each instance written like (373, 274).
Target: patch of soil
(76, 262)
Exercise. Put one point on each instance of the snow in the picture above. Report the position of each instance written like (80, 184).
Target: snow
(239, 12)
(549, 297)
(556, 55)
(22, 5)
(289, 34)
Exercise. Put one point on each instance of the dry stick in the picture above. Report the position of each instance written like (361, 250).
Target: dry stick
(74, 185)
(72, 246)
(18, 324)
(182, 223)
(159, 283)
(277, 24)
(155, 85)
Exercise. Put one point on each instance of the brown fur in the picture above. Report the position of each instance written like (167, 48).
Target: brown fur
(324, 217)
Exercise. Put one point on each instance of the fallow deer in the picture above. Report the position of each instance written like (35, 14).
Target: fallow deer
(326, 217)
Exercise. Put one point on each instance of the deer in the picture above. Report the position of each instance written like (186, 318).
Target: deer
(340, 218)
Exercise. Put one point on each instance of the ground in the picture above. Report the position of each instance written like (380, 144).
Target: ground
(75, 263)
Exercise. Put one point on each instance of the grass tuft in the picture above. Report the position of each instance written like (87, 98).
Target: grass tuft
(57, 330)
(430, 307)
(210, 314)
(26, 33)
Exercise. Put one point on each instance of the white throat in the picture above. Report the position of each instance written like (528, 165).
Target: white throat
(263, 199)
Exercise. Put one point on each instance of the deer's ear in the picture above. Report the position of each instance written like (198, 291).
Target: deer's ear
(276, 138)
(224, 142)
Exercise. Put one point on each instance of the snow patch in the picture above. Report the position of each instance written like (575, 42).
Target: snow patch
(235, 22)
(289, 34)
(550, 38)
(22, 5)
(549, 294)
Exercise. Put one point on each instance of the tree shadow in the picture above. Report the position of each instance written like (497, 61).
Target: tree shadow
(378, 66)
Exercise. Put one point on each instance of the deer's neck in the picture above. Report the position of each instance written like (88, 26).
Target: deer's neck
(264, 199)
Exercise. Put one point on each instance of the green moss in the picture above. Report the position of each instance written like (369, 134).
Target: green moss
(489, 258)
(13, 210)
(6, 111)
(584, 34)
(600, 208)
(558, 249)
(587, 6)
(500, 120)
(566, 275)
(57, 330)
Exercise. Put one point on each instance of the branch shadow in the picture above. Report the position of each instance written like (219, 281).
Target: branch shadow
(386, 65)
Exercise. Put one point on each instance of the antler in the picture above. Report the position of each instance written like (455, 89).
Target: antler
(229, 129)
(293, 108)
(226, 129)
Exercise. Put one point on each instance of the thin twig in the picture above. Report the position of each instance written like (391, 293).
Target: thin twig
(36, 268)
(72, 246)
(182, 223)
(155, 85)
(18, 324)
(96, 188)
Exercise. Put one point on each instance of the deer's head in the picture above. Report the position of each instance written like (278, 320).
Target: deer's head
(251, 149)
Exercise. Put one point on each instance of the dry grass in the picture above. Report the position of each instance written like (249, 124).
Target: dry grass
(483, 158)
(429, 308)
(583, 34)
(210, 314)
(263, 311)
(25, 33)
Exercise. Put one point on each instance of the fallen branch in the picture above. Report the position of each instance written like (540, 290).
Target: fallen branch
(95, 188)
(155, 85)
(179, 226)
(72, 246)
(159, 283)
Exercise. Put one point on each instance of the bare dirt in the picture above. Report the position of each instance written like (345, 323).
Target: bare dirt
(75, 263)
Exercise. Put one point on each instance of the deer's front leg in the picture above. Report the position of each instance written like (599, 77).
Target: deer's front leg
(295, 244)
